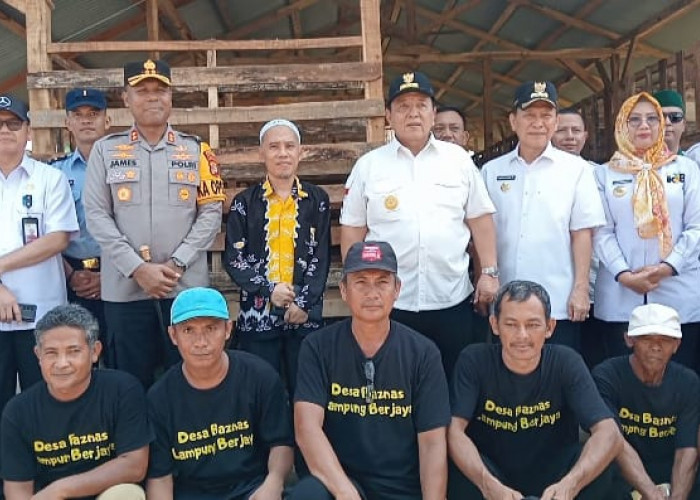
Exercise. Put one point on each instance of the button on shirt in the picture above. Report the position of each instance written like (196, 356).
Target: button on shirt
(42, 284)
(538, 205)
(419, 204)
(74, 167)
(619, 246)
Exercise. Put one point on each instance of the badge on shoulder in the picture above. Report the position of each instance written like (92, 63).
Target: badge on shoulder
(30, 229)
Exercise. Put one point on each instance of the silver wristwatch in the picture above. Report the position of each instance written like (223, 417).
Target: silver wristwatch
(490, 271)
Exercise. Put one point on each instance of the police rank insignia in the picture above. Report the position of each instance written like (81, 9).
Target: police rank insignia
(540, 90)
(124, 194)
(391, 202)
(184, 194)
(191, 177)
(179, 176)
(134, 136)
(505, 187)
(171, 137)
(619, 191)
(213, 162)
(130, 174)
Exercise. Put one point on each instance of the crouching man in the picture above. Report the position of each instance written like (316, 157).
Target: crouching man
(81, 433)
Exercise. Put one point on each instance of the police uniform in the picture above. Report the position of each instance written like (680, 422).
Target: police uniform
(83, 252)
(168, 197)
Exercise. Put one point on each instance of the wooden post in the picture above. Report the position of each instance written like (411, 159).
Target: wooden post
(372, 53)
(487, 104)
(696, 80)
(38, 16)
(663, 74)
(680, 74)
(213, 95)
(152, 24)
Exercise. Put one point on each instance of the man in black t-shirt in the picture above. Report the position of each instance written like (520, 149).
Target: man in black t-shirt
(516, 409)
(371, 403)
(221, 418)
(80, 433)
(657, 403)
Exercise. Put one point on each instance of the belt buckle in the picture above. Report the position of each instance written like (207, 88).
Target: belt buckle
(91, 264)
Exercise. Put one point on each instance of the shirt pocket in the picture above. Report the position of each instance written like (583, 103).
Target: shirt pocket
(125, 184)
(182, 186)
(386, 201)
(448, 198)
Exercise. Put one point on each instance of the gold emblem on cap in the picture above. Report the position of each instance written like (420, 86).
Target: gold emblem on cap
(391, 202)
(540, 90)
(124, 194)
(184, 194)
(408, 77)
(408, 81)
(149, 67)
(505, 187)
(619, 191)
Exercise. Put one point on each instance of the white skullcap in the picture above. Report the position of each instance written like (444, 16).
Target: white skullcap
(279, 122)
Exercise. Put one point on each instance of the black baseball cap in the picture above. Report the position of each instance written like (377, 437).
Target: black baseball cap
(85, 97)
(530, 92)
(414, 81)
(15, 106)
(136, 72)
(365, 255)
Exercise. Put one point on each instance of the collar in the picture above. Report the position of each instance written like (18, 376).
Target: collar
(27, 164)
(297, 191)
(549, 152)
(169, 136)
(396, 145)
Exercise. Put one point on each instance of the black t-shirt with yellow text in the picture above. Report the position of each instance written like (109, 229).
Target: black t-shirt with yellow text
(655, 420)
(218, 440)
(518, 421)
(44, 439)
(374, 434)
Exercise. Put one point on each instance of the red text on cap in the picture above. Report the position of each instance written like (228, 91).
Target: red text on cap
(371, 253)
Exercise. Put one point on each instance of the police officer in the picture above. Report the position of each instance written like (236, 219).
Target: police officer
(87, 121)
(153, 200)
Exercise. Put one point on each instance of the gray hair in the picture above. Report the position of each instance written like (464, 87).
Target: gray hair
(71, 315)
(520, 291)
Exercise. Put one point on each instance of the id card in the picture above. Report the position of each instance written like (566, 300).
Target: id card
(30, 229)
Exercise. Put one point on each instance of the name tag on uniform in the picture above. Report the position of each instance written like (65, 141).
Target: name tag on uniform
(505, 177)
(621, 181)
(675, 178)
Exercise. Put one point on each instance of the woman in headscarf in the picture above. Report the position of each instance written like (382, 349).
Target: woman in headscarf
(649, 247)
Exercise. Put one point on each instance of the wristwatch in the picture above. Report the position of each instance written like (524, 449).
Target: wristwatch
(490, 271)
(179, 264)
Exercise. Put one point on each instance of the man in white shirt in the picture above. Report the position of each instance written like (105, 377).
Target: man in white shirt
(38, 217)
(547, 205)
(426, 199)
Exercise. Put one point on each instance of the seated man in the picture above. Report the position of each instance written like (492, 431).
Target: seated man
(371, 404)
(221, 418)
(657, 403)
(517, 407)
(80, 433)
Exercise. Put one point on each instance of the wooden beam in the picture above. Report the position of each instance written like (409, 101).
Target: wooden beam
(171, 12)
(213, 102)
(508, 55)
(18, 5)
(680, 73)
(152, 25)
(38, 18)
(242, 155)
(587, 27)
(591, 81)
(393, 17)
(204, 45)
(230, 76)
(271, 17)
(44, 118)
(372, 53)
(663, 74)
(449, 12)
(695, 51)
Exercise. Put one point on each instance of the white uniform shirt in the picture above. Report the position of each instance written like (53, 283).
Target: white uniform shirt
(419, 205)
(620, 248)
(693, 152)
(43, 284)
(538, 205)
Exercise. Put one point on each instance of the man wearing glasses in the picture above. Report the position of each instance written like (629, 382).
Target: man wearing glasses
(371, 404)
(37, 220)
(87, 121)
(673, 107)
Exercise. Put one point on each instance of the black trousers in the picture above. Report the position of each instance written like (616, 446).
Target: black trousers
(141, 343)
(533, 479)
(451, 329)
(567, 333)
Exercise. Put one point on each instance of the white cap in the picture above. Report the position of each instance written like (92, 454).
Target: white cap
(654, 319)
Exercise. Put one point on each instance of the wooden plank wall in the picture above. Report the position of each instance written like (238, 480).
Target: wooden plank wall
(338, 104)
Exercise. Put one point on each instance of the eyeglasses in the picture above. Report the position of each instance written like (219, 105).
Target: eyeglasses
(636, 121)
(674, 116)
(369, 376)
(13, 125)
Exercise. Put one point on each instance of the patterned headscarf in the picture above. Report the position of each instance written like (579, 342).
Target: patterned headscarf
(649, 198)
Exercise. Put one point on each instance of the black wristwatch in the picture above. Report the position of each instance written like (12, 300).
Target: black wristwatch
(179, 264)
